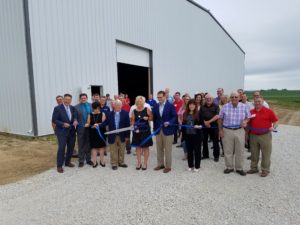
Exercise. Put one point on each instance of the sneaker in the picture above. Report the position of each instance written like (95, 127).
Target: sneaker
(196, 170)
(190, 169)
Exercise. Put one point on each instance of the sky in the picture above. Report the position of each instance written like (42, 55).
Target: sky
(269, 32)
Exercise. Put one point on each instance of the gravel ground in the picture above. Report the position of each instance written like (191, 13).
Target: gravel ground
(126, 196)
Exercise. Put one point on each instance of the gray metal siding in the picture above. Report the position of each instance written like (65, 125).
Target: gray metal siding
(74, 44)
(15, 110)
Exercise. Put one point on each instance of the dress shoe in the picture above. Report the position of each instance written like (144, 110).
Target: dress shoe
(123, 165)
(70, 165)
(94, 166)
(228, 170)
(60, 169)
(138, 167)
(90, 163)
(216, 159)
(249, 157)
(252, 171)
(102, 165)
(81, 164)
(264, 173)
(241, 172)
(144, 168)
(167, 170)
(159, 167)
(128, 152)
(174, 142)
(114, 167)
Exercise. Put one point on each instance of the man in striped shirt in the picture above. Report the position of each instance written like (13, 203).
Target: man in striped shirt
(234, 116)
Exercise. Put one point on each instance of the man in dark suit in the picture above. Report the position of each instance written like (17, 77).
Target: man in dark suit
(164, 116)
(83, 110)
(65, 118)
(118, 119)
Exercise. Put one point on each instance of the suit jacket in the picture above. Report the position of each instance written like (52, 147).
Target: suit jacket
(79, 112)
(169, 115)
(124, 122)
(60, 116)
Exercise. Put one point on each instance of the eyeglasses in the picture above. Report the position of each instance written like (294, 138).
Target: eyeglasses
(234, 97)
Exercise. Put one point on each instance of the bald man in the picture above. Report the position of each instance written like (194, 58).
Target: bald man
(209, 112)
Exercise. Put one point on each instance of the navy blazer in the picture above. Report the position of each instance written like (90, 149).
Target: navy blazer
(60, 116)
(124, 122)
(169, 115)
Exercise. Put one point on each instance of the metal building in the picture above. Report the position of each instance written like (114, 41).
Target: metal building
(53, 47)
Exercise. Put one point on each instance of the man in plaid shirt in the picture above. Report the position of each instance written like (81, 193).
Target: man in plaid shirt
(234, 117)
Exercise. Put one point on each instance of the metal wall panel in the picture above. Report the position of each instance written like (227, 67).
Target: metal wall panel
(74, 44)
(15, 110)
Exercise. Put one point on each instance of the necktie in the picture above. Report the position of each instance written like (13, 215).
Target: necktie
(117, 119)
(69, 112)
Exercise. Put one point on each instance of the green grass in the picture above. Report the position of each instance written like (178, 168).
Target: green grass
(284, 98)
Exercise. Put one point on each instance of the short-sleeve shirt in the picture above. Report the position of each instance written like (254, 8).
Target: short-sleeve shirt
(208, 112)
(233, 116)
(262, 119)
(178, 105)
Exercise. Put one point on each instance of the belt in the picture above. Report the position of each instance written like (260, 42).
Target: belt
(236, 128)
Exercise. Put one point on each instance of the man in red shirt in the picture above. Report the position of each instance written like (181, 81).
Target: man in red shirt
(178, 102)
(261, 124)
(125, 105)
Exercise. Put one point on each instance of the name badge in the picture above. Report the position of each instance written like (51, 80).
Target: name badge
(253, 115)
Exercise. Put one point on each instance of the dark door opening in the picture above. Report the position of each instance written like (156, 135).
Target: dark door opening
(134, 80)
(96, 89)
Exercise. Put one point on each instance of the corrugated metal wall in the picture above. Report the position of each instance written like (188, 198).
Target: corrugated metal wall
(74, 44)
(15, 110)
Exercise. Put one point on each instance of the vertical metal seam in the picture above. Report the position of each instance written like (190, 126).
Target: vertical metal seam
(30, 67)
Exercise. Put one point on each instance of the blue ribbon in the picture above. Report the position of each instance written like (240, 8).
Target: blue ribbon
(100, 135)
(148, 138)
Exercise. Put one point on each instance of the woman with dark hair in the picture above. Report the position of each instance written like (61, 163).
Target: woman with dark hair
(193, 135)
(198, 100)
(97, 144)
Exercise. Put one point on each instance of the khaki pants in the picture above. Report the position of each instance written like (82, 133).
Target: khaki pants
(233, 143)
(117, 150)
(164, 149)
(263, 143)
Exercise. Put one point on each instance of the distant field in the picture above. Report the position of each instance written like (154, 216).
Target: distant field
(284, 98)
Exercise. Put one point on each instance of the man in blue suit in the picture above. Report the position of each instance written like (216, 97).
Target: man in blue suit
(65, 119)
(118, 119)
(164, 116)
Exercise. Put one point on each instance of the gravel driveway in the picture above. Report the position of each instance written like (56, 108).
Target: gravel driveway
(126, 196)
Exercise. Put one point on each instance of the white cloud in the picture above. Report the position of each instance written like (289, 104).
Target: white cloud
(268, 32)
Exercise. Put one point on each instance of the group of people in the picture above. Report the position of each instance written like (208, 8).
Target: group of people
(230, 121)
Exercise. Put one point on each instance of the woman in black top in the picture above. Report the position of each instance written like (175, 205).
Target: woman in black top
(193, 136)
(140, 119)
(96, 142)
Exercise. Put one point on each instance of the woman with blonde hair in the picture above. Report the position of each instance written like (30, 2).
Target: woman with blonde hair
(140, 118)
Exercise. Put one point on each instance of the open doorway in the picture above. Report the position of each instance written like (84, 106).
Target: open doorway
(134, 80)
(96, 89)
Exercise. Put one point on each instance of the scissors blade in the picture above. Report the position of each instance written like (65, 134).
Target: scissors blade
(119, 130)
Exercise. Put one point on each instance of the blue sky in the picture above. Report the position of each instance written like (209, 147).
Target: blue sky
(269, 33)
